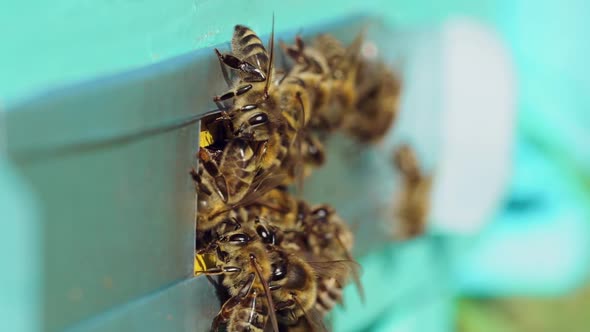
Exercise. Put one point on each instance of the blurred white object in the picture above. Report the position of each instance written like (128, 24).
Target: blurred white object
(469, 144)
(457, 112)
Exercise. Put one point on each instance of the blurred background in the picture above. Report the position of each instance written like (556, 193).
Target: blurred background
(525, 270)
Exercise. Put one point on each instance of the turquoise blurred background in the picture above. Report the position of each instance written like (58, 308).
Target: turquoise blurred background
(536, 244)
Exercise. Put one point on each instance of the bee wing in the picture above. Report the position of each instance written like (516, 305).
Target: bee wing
(356, 277)
(314, 318)
(257, 190)
(263, 183)
(340, 270)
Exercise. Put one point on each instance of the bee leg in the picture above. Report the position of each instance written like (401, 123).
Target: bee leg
(227, 308)
(211, 167)
(221, 270)
(195, 176)
(223, 97)
(274, 287)
(284, 304)
(296, 52)
(223, 69)
(231, 61)
(299, 43)
(231, 94)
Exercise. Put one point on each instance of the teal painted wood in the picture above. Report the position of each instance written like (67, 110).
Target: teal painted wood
(180, 307)
(47, 45)
(116, 208)
(20, 269)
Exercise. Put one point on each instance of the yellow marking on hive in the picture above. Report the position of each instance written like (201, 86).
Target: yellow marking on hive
(205, 139)
(204, 262)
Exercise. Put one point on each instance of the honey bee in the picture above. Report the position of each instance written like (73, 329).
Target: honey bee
(293, 285)
(310, 76)
(376, 104)
(245, 263)
(270, 113)
(224, 179)
(365, 94)
(328, 68)
(413, 204)
(282, 262)
(328, 237)
(316, 234)
(306, 155)
(298, 289)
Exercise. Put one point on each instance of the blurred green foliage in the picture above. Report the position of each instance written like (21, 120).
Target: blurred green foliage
(568, 313)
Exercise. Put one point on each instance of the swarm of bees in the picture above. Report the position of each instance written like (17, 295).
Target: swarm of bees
(281, 262)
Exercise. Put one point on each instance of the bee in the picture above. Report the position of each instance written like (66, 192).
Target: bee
(328, 238)
(255, 100)
(245, 263)
(413, 204)
(365, 93)
(307, 155)
(298, 289)
(304, 285)
(316, 234)
(293, 286)
(224, 180)
(266, 112)
(328, 69)
(310, 75)
(376, 104)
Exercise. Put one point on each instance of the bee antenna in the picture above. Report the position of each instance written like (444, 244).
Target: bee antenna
(271, 307)
(271, 46)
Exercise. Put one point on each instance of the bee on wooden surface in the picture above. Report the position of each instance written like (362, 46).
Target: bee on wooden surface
(246, 265)
(299, 289)
(376, 104)
(413, 204)
(329, 238)
(293, 285)
(366, 93)
(224, 179)
(344, 65)
(269, 113)
(310, 74)
(318, 235)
